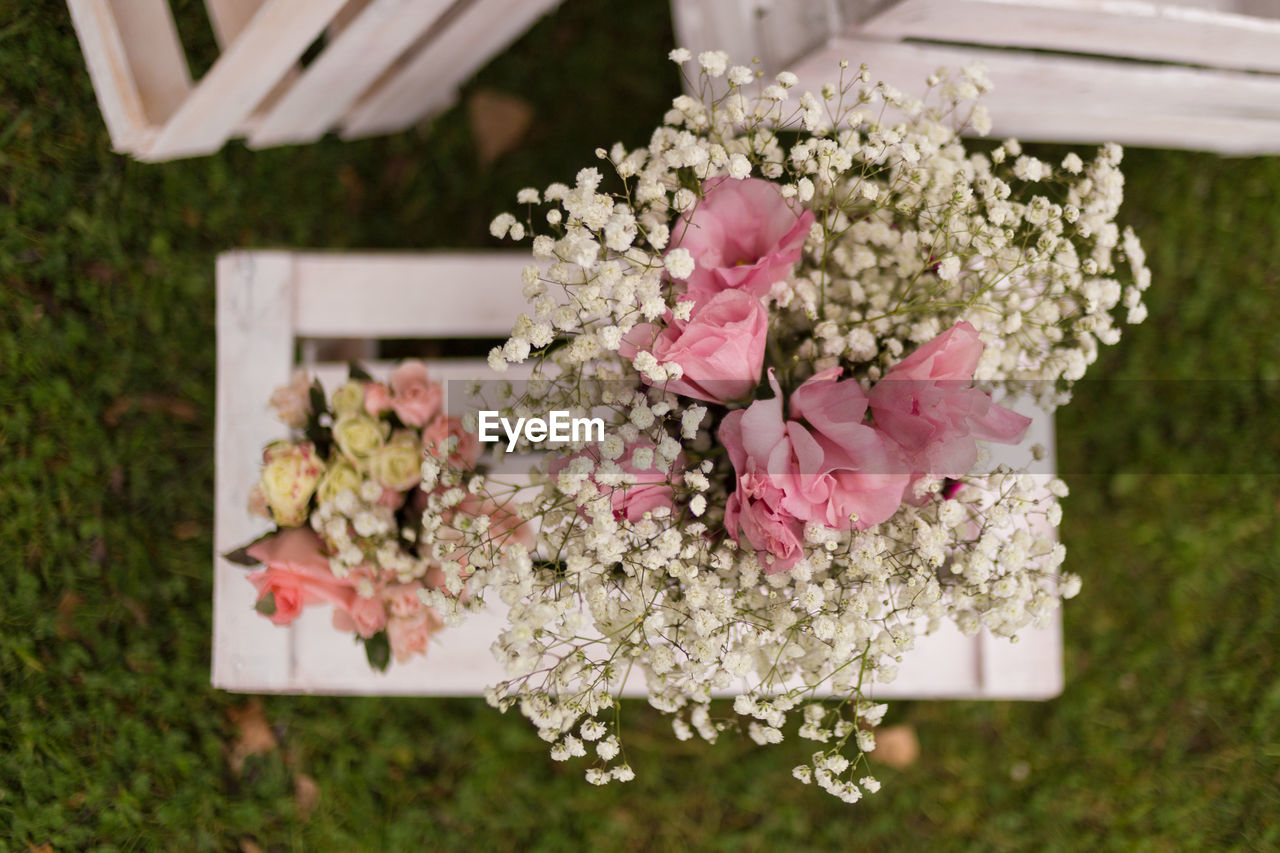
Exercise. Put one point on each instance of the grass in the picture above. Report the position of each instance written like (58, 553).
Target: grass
(1167, 737)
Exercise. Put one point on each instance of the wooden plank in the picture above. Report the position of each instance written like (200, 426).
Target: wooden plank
(1076, 99)
(345, 69)
(242, 76)
(1176, 32)
(155, 54)
(113, 79)
(464, 43)
(230, 17)
(255, 356)
(449, 294)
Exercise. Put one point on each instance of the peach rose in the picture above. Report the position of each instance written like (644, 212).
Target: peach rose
(366, 616)
(410, 635)
(297, 574)
(444, 427)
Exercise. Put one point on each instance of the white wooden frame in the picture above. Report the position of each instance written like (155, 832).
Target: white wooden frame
(1196, 74)
(386, 64)
(268, 301)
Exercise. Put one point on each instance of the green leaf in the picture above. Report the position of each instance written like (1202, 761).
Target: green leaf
(358, 373)
(240, 556)
(378, 650)
(266, 605)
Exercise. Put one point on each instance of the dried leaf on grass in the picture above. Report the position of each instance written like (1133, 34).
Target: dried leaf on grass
(253, 733)
(306, 794)
(498, 123)
(897, 746)
(176, 407)
(67, 605)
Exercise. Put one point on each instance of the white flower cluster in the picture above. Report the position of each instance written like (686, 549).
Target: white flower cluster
(913, 234)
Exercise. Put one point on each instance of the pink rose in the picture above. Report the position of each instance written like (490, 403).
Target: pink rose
(830, 472)
(366, 616)
(296, 574)
(410, 635)
(377, 399)
(402, 599)
(926, 404)
(645, 490)
(743, 236)
(720, 349)
(443, 427)
(414, 397)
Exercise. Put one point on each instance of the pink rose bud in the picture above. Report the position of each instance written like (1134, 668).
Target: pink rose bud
(414, 397)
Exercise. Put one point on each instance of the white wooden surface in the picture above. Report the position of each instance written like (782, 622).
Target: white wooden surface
(1208, 76)
(384, 65)
(268, 300)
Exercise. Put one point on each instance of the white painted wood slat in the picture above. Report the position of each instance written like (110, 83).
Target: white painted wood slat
(255, 356)
(350, 63)
(242, 76)
(1181, 33)
(1076, 99)
(114, 82)
(429, 81)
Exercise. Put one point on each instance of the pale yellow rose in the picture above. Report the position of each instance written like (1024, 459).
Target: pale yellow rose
(348, 399)
(339, 478)
(398, 464)
(288, 480)
(358, 436)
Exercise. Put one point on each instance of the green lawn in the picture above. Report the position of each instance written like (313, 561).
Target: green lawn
(1168, 734)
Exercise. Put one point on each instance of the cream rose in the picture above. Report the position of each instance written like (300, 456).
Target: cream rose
(288, 480)
(358, 436)
(348, 399)
(398, 464)
(339, 478)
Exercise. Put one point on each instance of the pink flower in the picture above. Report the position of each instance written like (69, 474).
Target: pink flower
(402, 599)
(414, 397)
(645, 490)
(832, 471)
(846, 467)
(366, 616)
(410, 635)
(926, 404)
(292, 402)
(443, 427)
(377, 399)
(720, 349)
(296, 574)
(743, 236)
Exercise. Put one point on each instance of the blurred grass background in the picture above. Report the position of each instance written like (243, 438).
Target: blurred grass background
(1168, 734)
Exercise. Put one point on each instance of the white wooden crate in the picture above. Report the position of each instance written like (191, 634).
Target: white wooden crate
(268, 301)
(1195, 74)
(385, 64)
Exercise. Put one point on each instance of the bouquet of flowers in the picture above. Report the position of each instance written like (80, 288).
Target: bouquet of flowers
(791, 317)
(345, 492)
